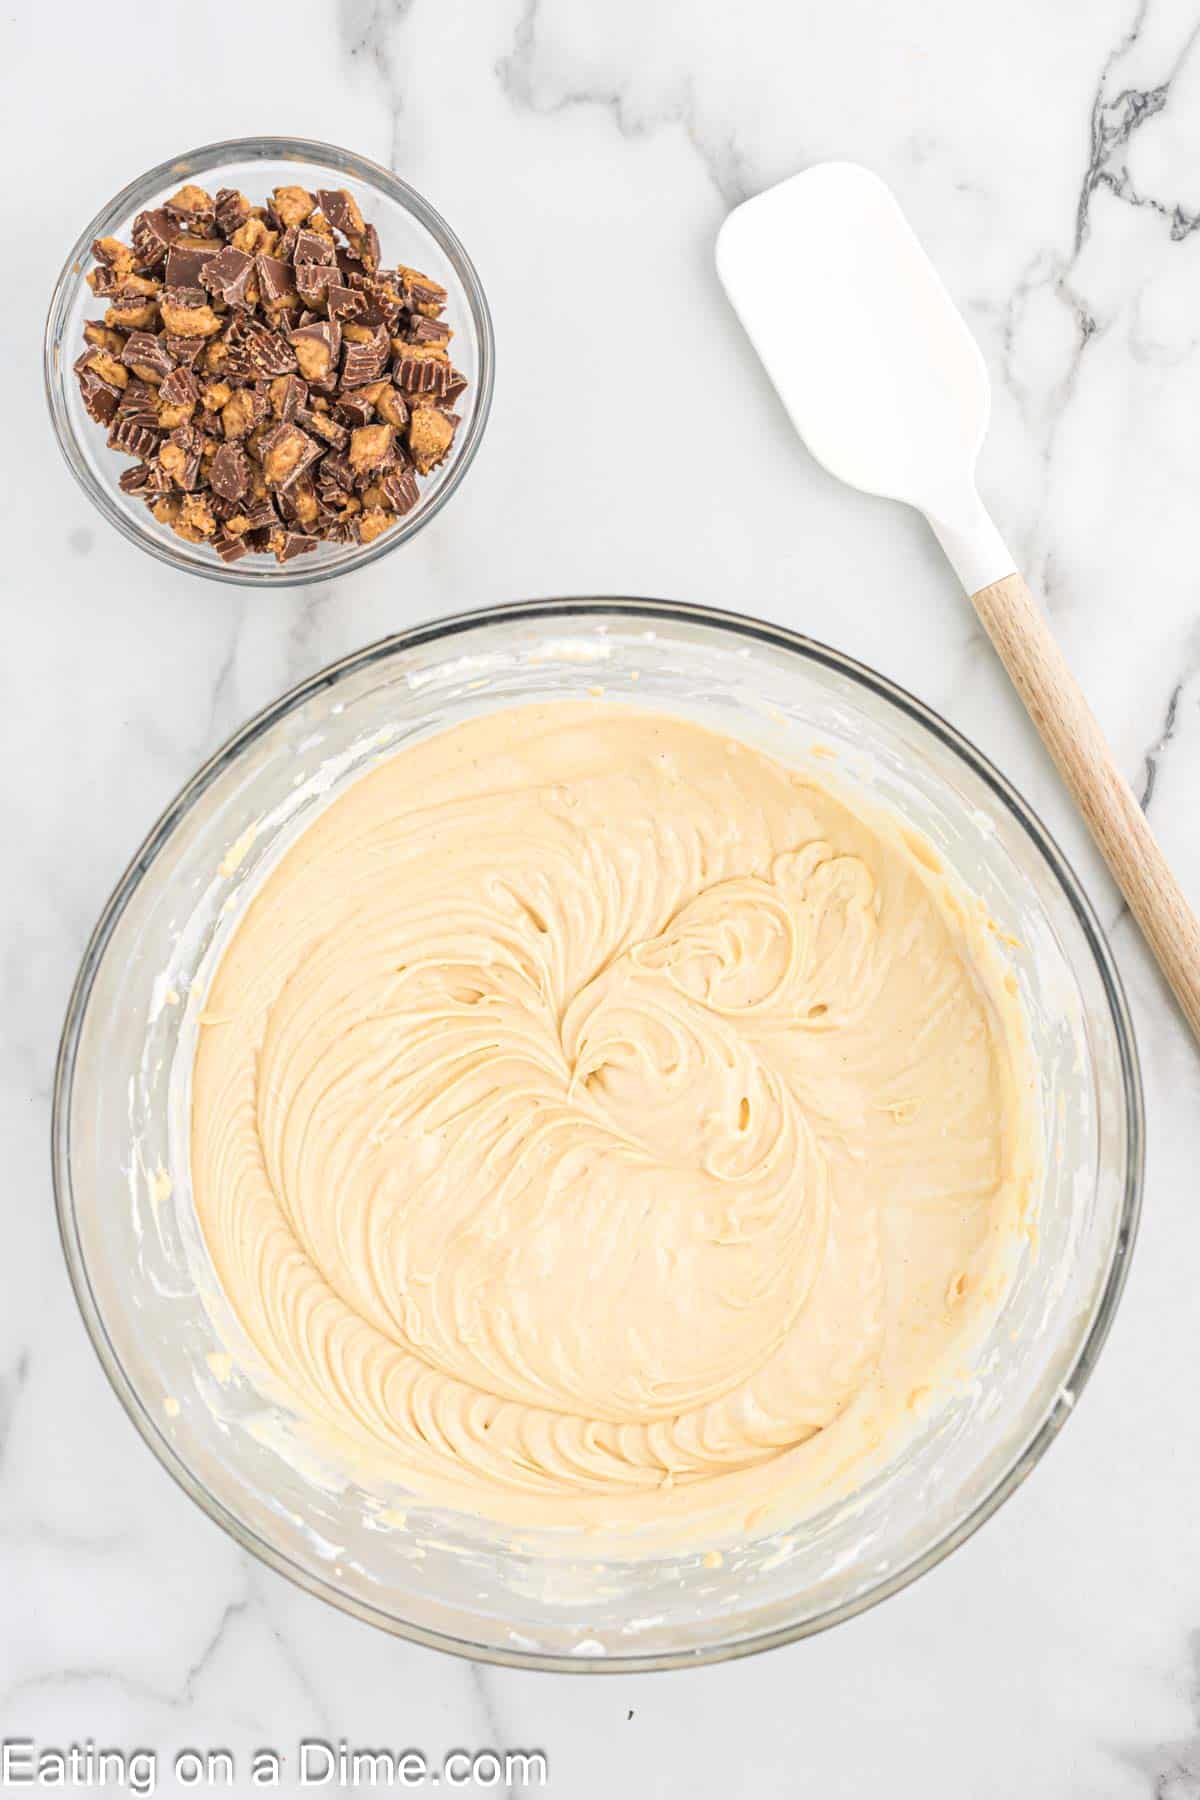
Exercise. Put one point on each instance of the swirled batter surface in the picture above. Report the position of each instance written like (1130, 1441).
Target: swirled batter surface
(599, 1122)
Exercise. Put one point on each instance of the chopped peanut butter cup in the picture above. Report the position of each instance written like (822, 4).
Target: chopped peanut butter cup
(276, 385)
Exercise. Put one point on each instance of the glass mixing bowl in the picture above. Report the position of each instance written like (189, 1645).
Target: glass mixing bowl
(410, 232)
(147, 1289)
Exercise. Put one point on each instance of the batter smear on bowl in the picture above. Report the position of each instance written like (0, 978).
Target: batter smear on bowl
(601, 1124)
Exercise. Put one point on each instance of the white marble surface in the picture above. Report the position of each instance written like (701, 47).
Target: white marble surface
(586, 153)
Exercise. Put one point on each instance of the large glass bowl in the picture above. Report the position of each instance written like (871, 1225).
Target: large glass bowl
(147, 1289)
(410, 231)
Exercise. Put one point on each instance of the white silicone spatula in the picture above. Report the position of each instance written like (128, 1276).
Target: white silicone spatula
(888, 389)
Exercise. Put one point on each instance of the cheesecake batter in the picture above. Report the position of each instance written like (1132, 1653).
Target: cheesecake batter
(597, 1123)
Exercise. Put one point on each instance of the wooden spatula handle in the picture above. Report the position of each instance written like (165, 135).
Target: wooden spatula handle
(1068, 728)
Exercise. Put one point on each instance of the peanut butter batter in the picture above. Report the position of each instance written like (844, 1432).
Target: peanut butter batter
(598, 1123)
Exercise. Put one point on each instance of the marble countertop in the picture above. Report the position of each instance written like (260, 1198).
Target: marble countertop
(1049, 159)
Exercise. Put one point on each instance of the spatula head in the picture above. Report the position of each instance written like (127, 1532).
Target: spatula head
(882, 379)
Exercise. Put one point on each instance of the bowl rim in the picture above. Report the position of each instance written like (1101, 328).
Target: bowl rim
(56, 362)
(736, 626)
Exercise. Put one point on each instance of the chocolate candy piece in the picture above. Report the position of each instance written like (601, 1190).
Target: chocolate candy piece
(185, 312)
(229, 472)
(430, 434)
(190, 206)
(333, 498)
(133, 304)
(342, 530)
(157, 482)
(365, 360)
(180, 456)
(312, 248)
(134, 438)
(292, 395)
(344, 304)
(314, 279)
(400, 489)
(185, 265)
(342, 210)
(228, 275)
(391, 406)
(262, 516)
(146, 352)
(294, 544)
(110, 251)
(105, 364)
(267, 352)
(299, 504)
(102, 337)
(349, 263)
(236, 364)
(185, 350)
(370, 446)
(324, 426)
(421, 293)
(105, 280)
(428, 331)
(385, 294)
(286, 453)
(354, 409)
(276, 283)
(244, 411)
(100, 397)
(336, 469)
(231, 210)
(290, 205)
(140, 402)
(186, 297)
(231, 549)
(180, 388)
(316, 348)
(153, 234)
(417, 376)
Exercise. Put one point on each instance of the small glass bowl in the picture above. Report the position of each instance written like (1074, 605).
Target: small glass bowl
(410, 232)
